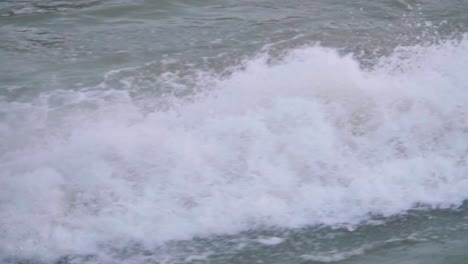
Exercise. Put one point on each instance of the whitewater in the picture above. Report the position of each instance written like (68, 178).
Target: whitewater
(311, 139)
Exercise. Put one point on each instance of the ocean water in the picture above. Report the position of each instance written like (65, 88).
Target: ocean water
(250, 131)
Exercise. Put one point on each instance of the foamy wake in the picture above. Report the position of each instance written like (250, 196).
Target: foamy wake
(314, 139)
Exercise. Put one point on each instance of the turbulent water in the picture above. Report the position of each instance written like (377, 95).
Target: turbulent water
(216, 131)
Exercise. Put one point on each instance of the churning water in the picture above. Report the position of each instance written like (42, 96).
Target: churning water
(233, 131)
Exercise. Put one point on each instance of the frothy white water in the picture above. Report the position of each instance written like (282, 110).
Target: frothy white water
(314, 139)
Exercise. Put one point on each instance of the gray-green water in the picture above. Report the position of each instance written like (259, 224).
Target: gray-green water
(219, 131)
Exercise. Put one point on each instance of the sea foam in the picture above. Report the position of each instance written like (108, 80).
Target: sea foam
(312, 139)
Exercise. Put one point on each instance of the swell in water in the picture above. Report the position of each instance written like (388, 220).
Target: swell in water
(311, 140)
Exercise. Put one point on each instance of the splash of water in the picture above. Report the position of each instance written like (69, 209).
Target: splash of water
(314, 139)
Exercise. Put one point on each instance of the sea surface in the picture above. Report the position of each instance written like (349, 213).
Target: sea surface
(222, 131)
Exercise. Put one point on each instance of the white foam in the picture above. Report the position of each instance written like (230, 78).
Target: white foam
(312, 140)
(335, 256)
(270, 241)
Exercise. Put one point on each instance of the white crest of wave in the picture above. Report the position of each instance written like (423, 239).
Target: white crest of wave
(314, 139)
